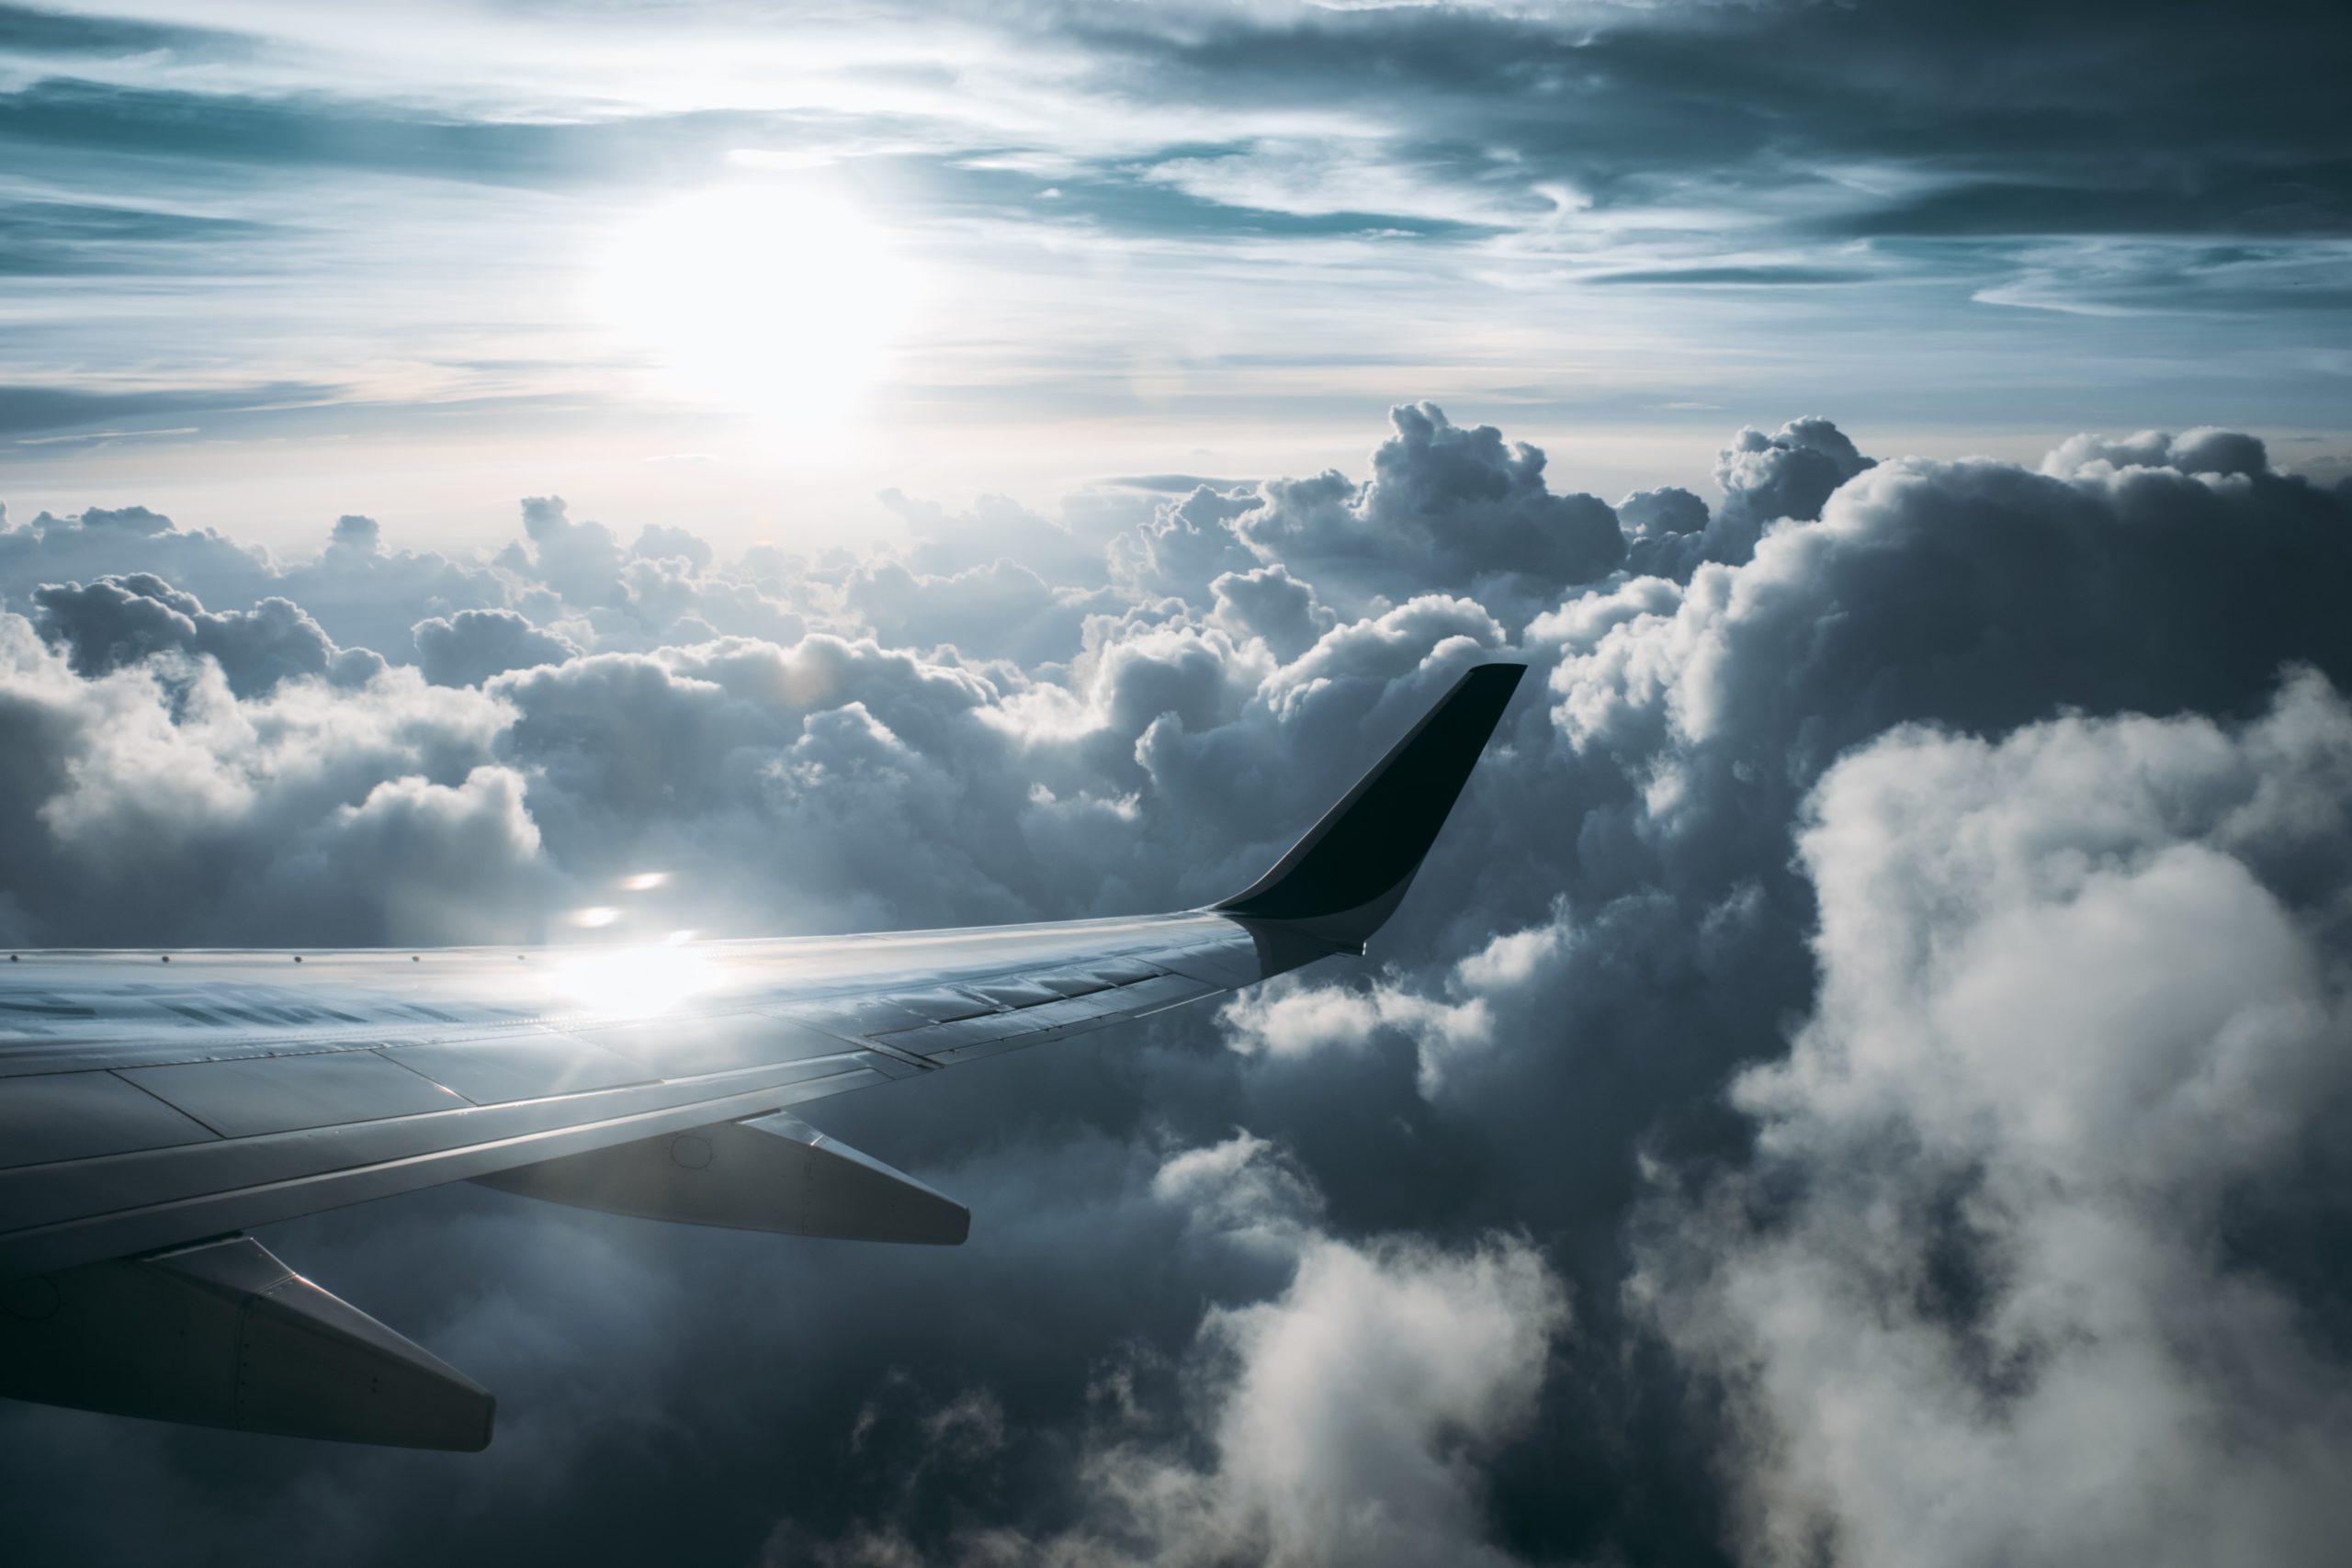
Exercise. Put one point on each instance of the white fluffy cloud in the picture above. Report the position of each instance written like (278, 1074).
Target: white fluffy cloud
(1348, 1412)
(2022, 1272)
(1447, 508)
(1339, 1420)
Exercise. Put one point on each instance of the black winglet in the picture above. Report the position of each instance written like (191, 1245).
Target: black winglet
(1350, 871)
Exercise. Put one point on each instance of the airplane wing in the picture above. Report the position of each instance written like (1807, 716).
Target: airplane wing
(154, 1106)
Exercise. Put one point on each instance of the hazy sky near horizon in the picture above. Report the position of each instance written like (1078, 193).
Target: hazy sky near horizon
(747, 265)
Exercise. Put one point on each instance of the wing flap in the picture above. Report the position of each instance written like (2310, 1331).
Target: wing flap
(54, 1216)
(771, 1173)
(222, 1334)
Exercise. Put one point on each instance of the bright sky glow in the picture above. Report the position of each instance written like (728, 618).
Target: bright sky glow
(773, 300)
(749, 265)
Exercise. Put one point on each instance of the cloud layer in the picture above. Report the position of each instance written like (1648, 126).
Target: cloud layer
(1867, 1038)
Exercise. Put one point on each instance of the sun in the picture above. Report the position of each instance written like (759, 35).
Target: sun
(777, 302)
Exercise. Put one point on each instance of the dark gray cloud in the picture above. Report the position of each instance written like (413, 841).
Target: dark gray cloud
(1188, 543)
(1803, 126)
(1343, 1275)
(1666, 532)
(1787, 474)
(468, 648)
(1272, 604)
(1632, 105)
(1733, 276)
(1446, 508)
(28, 410)
(65, 238)
(81, 116)
(572, 576)
(25, 30)
(2218, 197)
(117, 621)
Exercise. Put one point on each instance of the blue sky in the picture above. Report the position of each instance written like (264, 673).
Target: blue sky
(745, 266)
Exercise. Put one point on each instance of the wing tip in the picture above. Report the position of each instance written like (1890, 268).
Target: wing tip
(1343, 879)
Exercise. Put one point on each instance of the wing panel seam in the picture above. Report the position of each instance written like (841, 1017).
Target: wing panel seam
(160, 1100)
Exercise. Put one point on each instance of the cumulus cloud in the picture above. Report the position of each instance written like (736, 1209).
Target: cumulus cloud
(1789, 473)
(122, 620)
(100, 543)
(2025, 1269)
(155, 803)
(1342, 1419)
(1446, 508)
(358, 593)
(581, 561)
(659, 541)
(1190, 542)
(356, 535)
(1350, 1412)
(1271, 604)
(467, 648)
(1972, 593)
(1664, 532)
(1690, 722)
(2206, 450)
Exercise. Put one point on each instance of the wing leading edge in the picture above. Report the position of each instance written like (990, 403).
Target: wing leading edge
(149, 1101)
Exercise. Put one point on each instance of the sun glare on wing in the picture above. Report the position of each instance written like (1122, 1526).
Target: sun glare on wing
(778, 301)
(633, 982)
